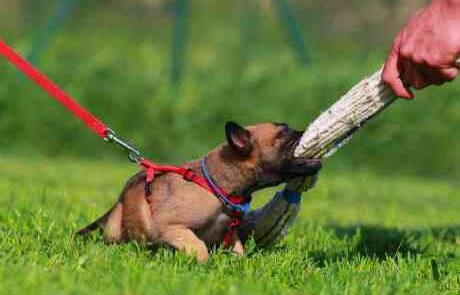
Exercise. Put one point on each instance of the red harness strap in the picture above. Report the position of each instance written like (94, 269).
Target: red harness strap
(103, 131)
(151, 169)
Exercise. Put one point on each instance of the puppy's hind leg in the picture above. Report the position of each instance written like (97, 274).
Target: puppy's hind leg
(237, 246)
(183, 239)
(113, 225)
(110, 223)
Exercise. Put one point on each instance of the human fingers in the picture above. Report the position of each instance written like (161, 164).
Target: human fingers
(391, 73)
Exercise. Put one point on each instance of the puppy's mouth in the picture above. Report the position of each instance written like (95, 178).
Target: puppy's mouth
(293, 142)
(298, 167)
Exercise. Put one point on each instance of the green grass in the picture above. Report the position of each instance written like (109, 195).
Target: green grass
(358, 233)
(371, 231)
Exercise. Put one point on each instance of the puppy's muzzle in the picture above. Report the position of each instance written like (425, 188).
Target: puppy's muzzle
(313, 166)
(302, 167)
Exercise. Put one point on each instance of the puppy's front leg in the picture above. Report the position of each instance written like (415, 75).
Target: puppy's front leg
(184, 239)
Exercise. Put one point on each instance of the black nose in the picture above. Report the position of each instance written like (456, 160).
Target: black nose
(297, 134)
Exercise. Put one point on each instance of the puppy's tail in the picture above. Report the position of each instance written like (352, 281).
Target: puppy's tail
(88, 229)
(98, 223)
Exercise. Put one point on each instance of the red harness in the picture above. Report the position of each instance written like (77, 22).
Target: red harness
(98, 127)
(236, 201)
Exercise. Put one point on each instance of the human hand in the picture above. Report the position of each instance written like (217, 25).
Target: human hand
(424, 52)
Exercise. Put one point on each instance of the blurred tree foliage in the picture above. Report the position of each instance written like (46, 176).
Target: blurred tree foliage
(114, 57)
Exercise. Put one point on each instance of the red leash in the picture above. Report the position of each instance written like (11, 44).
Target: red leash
(98, 127)
(53, 90)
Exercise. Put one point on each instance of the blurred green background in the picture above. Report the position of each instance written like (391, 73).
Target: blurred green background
(239, 63)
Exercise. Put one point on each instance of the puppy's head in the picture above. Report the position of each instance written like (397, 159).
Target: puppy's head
(268, 150)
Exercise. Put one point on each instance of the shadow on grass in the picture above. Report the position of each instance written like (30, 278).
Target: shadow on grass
(378, 241)
(382, 242)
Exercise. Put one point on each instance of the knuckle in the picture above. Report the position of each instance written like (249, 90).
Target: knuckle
(419, 59)
(434, 62)
(449, 75)
(406, 52)
(431, 63)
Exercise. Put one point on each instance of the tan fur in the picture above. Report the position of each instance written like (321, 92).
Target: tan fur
(182, 214)
(113, 225)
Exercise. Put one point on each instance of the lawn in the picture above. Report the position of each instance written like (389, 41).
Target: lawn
(358, 233)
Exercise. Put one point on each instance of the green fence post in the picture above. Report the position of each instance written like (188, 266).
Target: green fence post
(287, 18)
(179, 41)
(64, 10)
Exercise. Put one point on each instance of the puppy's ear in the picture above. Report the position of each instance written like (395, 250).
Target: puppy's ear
(238, 138)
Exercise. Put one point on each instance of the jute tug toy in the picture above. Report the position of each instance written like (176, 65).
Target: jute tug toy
(337, 125)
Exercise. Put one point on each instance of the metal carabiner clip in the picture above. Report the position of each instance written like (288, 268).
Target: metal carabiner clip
(134, 155)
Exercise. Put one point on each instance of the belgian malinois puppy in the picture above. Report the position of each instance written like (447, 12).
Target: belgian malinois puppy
(187, 217)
